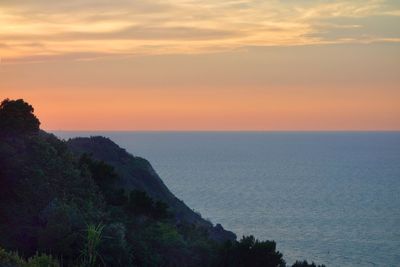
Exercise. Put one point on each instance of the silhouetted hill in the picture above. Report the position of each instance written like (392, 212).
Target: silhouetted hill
(137, 173)
(87, 202)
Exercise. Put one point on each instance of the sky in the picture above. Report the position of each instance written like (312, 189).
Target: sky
(209, 65)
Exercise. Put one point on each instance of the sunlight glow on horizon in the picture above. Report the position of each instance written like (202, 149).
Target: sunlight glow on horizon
(202, 110)
(190, 65)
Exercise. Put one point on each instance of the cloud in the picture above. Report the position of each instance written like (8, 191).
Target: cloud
(132, 33)
(362, 29)
(125, 27)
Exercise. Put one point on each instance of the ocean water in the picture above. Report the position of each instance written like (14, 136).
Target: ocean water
(328, 197)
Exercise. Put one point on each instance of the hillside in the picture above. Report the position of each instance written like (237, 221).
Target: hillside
(137, 173)
(87, 202)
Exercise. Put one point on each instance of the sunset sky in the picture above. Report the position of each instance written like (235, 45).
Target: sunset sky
(204, 64)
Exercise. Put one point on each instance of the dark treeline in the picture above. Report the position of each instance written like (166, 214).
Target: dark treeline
(59, 208)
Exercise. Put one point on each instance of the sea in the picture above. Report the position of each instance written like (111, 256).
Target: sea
(328, 197)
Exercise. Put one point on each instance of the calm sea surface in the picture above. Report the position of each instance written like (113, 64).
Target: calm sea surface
(332, 198)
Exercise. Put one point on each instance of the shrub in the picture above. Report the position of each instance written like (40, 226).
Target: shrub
(10, 259)
(41, 260)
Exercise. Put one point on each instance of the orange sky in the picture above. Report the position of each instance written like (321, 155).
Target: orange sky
(205, 109)
(180, 65)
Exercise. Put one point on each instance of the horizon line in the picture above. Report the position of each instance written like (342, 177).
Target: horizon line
(227, 131)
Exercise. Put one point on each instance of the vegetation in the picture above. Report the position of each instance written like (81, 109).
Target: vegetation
(16, 117)
(11, 259)
(251, 252)
(306, 264)
(62, 208)
(141, 203)
(90, 252)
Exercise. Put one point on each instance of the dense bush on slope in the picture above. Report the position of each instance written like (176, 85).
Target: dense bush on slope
(87, 202)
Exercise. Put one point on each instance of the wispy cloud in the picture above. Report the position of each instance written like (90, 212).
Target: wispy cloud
(45, 29)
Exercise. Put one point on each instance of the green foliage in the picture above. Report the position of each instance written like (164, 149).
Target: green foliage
(105, 177)
(61, 231)
(90, 252)
(102, 173)
(115, 250)
(167, 235)
(41, 260)
(16, 117)
(12, 259)
(159, 244)
(36, 171)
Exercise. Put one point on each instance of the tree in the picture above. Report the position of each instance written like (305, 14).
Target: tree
(16, 117)
(140, 202)
(251, 252)
(160, 210)
(306, 264)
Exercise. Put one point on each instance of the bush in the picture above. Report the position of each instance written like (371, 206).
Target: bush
(12, 259)
(41, 260)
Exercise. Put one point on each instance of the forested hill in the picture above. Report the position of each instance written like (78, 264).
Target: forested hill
(136, 173)
(87, 202)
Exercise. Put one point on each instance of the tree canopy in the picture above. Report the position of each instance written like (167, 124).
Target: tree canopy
(16, 117)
